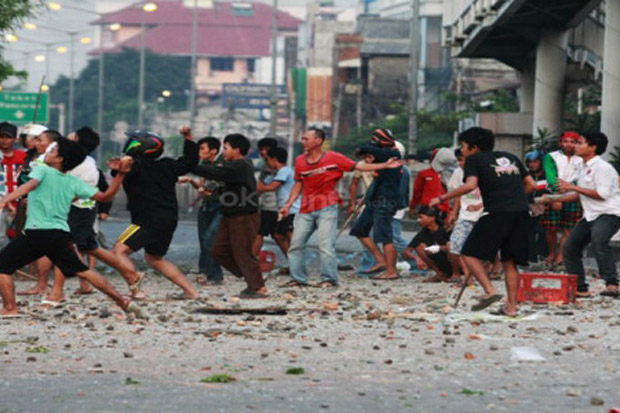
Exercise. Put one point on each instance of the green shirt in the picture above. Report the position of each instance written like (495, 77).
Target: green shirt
(50, 201)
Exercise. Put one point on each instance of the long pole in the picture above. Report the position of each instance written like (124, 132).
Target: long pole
(71, 78)
(192, 89)
(274, 55)
(48, 48)
(100, 95)
(141, 74)
(413, 76)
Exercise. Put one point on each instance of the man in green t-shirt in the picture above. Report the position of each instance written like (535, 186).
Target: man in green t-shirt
(46, 233)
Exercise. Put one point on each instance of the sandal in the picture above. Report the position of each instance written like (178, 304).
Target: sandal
(247, 294)
(375, 271)
(293, 284)
(485, 302)
(383, 277)
(610, 293)
(135, 287)
(502, 311)
(327, 284)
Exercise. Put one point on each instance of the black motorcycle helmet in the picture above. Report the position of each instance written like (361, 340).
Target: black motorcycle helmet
(143, 144)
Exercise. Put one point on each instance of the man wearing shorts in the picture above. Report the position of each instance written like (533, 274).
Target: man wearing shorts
(152, 203)
(466, 211)
(282, 184)
(267, 201)
(503, 181)
(383, 199)
(51, 191)
(563, 165)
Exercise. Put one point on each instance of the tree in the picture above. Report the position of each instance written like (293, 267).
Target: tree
(12, 13)
(162, 72)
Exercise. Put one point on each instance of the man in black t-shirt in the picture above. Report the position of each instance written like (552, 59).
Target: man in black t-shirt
(431, 244)
(503, 183)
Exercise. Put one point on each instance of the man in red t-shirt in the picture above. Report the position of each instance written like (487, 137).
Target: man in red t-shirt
(427, 185)
(316, 175)
(12, 163)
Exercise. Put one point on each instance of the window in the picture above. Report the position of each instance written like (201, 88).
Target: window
(242, 9)
(251, 65)
(222, 64)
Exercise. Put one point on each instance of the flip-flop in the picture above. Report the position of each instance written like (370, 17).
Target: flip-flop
(293, 284)
(326, 284)
(584, 295)
(612, 294)
(485, 302)
(52, 304)
(251, 295)
(502, 311)
(135, 287)
(10, 316)
(375, 271)
(382, 277)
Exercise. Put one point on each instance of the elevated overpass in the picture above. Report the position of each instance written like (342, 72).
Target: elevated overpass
(557, 45)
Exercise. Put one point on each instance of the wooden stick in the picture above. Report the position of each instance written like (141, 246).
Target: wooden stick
(465, 284)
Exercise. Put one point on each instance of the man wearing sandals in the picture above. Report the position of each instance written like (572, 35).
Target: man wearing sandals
(503, 182)
(316, 174)
(597, 189)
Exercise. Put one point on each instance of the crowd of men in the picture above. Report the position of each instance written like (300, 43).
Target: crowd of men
(487, 211)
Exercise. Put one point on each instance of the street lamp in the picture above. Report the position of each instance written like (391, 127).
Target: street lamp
(147, 7)
(11, 38)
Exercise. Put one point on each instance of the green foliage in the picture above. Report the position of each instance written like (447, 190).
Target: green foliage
(590, 118)
(615, 158)
(163, 72)
(12, 14)
(296, 371)
(544, 141)
(434, 130)
(469, 392)
(38, 349)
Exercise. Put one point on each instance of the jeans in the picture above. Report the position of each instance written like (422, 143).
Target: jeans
(537, 240)
(326, 222)
(598, 233)
(209, 217)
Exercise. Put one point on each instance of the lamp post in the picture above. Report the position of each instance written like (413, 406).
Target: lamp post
(274, 58)
(192, 84)
(147, 7)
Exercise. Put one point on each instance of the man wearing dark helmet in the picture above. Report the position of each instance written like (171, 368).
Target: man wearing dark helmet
(152, 203)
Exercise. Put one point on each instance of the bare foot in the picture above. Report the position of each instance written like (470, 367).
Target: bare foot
(33, 291)
(55, 298)
(5, 312)
(83, 291)
(386, 276)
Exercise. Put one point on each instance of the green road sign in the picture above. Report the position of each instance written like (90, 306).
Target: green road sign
(18, 107)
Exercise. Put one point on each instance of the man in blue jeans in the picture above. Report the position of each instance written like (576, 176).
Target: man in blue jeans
(597, 189)
(209, 214)
(316, 174)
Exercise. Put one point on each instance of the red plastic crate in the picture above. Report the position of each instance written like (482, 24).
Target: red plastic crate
(267, 261)
(566, 293)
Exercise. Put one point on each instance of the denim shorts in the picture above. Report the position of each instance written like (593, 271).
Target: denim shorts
(377, 216)
(459, 235)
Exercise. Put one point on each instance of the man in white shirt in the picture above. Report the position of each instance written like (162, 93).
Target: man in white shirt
(597, 189)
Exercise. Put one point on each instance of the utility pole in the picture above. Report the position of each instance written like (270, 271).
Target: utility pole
(71, 79)
(274, 56)
(413, 76)
(192, 90)
(142, 68)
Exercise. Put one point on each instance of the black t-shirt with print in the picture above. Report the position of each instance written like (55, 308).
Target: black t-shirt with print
(500, 179)
(428, 237)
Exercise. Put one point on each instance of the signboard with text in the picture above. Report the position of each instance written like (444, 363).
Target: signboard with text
(248, 95)
(19, 107)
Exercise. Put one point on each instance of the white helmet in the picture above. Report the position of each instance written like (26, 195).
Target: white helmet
(33, 129)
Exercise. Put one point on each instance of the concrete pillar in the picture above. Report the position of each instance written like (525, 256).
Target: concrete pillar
(610, 114)
(526, 91)
(550, 80)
